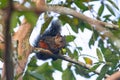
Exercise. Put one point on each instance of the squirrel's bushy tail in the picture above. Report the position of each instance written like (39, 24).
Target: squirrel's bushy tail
(54, 29)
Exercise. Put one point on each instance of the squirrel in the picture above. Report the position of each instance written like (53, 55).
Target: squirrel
(51, 40)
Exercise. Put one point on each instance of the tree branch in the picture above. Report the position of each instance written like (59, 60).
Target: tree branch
(8, 62)
(59, 56)
(115, 76)
(24, 48)
(66, 11)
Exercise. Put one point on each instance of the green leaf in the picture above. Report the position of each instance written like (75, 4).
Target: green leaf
(57, 65)
(32, 63)
(107, 17)
(99, 54)
(79, 48)
(3, 3)
(74, 28)
(14, 20)
(70, 21)
(88, 26)
(88, 60)
(82, 25)
(117, 32)
(111, 57)
(37, 76)
(91, 42)
(48, 1)
(108, 55)
(46, 24)
(35, 72)
(93, 38)
(82, 71)
(68, 75)
(70, 38)
(27, 76)
(65, 19)
(45, 70)
(31, 17)
(101, 10)
(113, 4)
(101, 45)
(119, 22)
(103, 72)
(70, 53)
(110, 9)
(75, 55)
(94, 67)
(80, 4)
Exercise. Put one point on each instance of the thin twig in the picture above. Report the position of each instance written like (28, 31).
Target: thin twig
(66, 11)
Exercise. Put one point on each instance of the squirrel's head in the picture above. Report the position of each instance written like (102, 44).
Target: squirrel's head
(60, 41)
